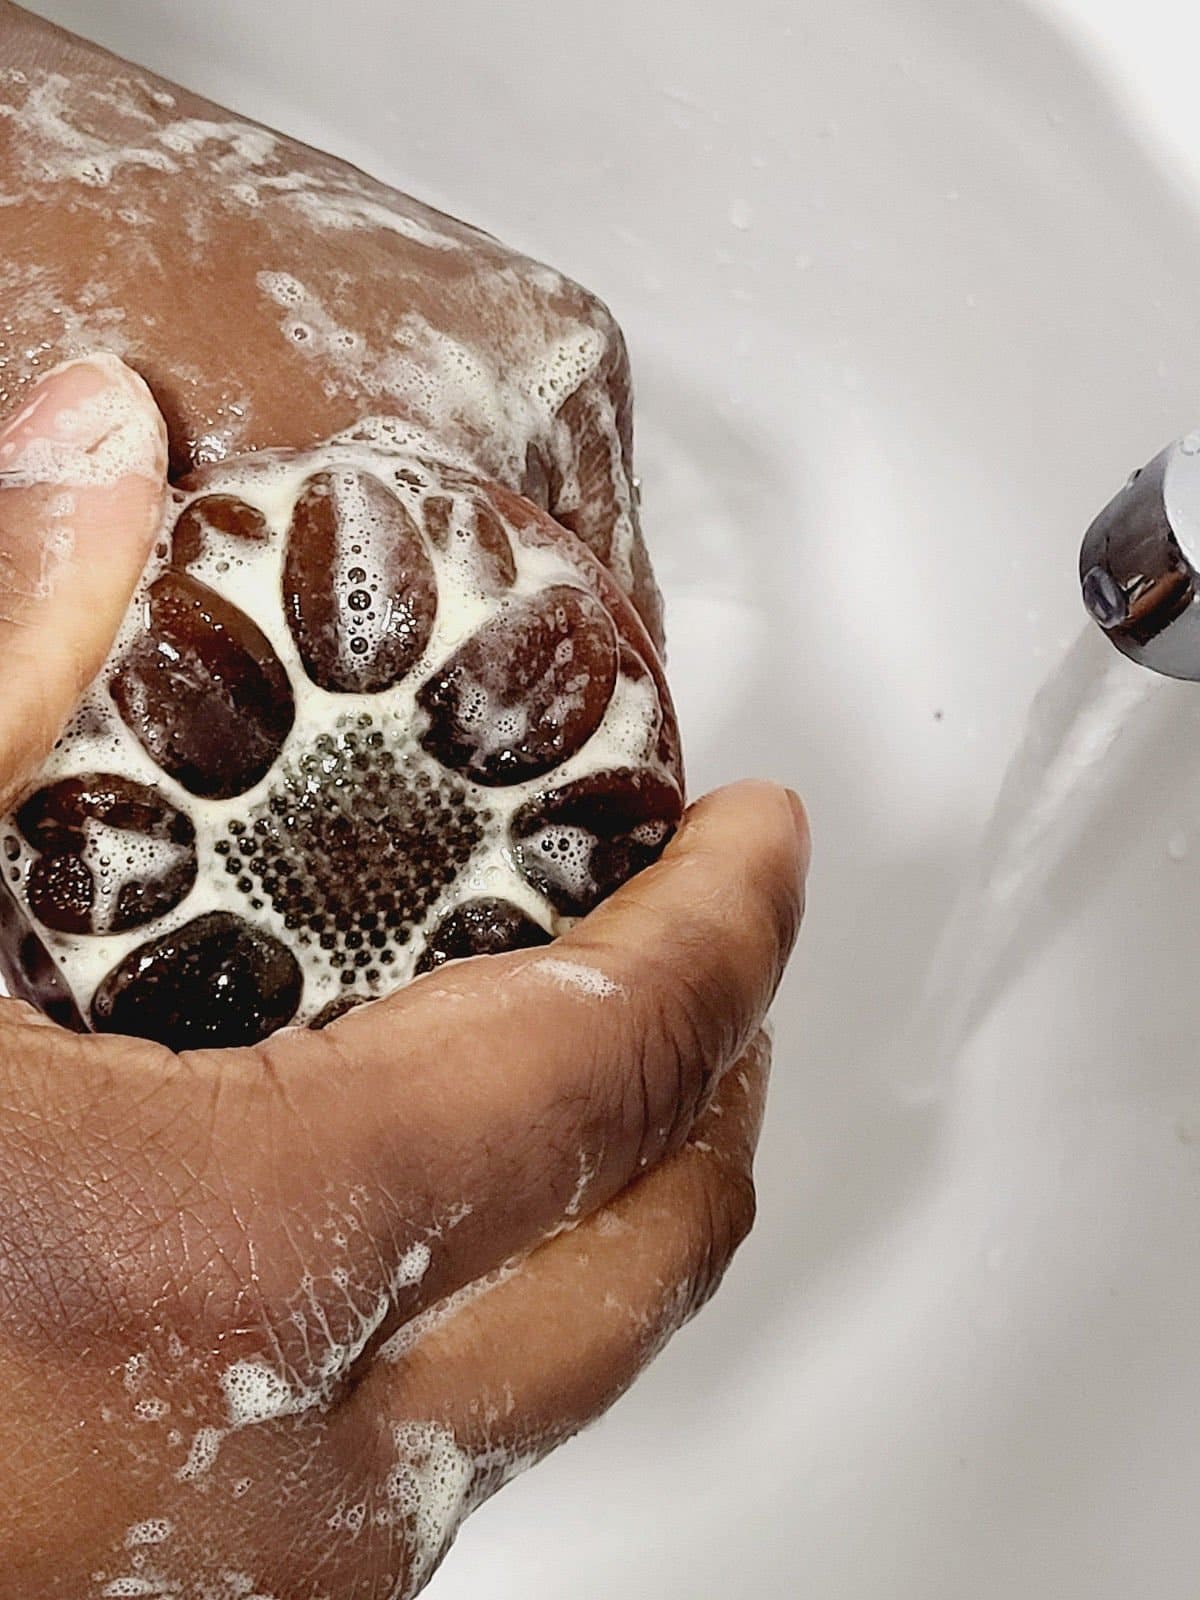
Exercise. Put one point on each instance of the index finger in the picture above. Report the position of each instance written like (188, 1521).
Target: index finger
(520, 1092)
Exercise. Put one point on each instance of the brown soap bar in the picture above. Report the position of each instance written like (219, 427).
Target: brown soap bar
(365, 716)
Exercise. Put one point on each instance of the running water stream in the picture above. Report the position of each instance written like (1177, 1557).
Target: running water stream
(1065, 783)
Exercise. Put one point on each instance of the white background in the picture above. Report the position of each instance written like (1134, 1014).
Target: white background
(910, 285)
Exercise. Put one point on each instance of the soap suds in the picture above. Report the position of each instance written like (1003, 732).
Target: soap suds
(133, 1586)
(588, 1167)
(54, 148)
(202, 1453)
(253, 1393)
(156, 1530)
(156, 1570)
(574, 976)
(427, 1494)
(256, 1392)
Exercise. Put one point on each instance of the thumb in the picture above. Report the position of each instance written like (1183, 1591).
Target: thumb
(82, 480)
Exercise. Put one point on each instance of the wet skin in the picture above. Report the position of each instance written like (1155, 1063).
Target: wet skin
(168, 1222)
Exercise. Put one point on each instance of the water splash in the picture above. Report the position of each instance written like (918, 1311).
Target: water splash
(1063, 787)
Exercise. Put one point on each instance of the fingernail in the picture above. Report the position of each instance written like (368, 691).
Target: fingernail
(89, 423)
(803, 832)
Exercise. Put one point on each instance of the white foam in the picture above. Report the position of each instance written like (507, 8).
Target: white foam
(202, 1454)
(427, 1492)
(576, 977)
(584, 1178)
(116, 858)
(155, 1530)
(134, 1585)
(338, 209)
(490, 408)
(412, 1267)
(254, 1393)
(55, 148)
(410, 1333)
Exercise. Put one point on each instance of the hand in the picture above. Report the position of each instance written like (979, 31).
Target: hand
(272, 1321)
(273, 296)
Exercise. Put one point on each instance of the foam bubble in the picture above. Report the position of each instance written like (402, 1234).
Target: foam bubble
(412, 1267)
(410, 1333)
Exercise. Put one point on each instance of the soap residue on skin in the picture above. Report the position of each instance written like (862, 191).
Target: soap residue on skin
(573, 976)
(156, 1530)
(409, 1335)
(504, 345)
(427, 1494)
(156, 1567)
(455, 393)
(589, 1165)
(256, 1392)
(58, 148)
(202, 1453)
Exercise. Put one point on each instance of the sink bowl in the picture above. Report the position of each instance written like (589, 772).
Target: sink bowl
(909, 289)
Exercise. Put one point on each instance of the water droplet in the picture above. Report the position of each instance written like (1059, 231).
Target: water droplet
(1177, 845)
(740, 215)
(1190, 444)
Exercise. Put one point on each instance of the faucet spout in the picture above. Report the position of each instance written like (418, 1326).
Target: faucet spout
(1139, 567)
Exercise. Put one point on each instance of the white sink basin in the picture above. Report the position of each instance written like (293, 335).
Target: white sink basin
(908, 293)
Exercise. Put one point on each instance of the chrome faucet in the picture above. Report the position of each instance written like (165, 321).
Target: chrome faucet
(1140, 563)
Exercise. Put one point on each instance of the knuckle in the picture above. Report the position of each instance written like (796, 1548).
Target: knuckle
(741, 1208)
(588, 307)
